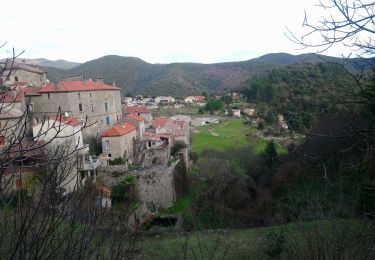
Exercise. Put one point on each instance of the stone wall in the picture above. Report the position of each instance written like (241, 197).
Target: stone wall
(156, 186)
(153, 156)
(32, 78)
(93, 108)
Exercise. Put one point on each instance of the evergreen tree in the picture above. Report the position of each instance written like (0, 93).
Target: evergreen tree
(270, 154)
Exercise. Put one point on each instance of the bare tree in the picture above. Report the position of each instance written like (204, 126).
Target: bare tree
(39, 219)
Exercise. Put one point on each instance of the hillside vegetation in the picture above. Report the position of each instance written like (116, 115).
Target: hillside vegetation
(180, 79)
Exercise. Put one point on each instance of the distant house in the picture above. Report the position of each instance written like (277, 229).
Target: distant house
(236, 112)
(179, 129)
(282, 122)
(118, 141)
(194, 99)
(249, 112)
(164, 100)
(20, 75)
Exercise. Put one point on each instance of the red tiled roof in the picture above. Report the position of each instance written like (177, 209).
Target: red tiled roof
(32, 91)
(132, 110)
(135, 117)
(66, 120)
(119, 130)
(159, 121)
(72, 86)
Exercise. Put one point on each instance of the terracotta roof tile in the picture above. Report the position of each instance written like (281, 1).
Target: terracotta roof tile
(135, 117)
(159, 121)
(72, 86)
(132, 110)
(119, 130)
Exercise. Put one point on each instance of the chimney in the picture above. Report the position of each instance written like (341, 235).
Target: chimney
(114, 84)
(99, 80)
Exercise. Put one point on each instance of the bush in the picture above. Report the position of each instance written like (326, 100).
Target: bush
(117, 161)
(178, 145)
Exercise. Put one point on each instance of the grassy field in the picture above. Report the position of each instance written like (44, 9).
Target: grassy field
(229, 134)
(256, 243)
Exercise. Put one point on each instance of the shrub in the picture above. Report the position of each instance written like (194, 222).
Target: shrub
(178, 145)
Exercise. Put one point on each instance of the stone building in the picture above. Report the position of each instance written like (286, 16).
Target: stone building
(95, 104)
(118, 141)
(140, 111)
(137, 121)
(21, 75)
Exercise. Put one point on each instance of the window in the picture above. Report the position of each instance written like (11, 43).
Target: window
(2, 140)
(90, 95)
(80, 107)
(19, 183)
(107, 120)
(16, 79)
(107, 145)
(31, 107)
(106, 107)
(109, 155)
(79, 95)
(92, 108)
(49, 95)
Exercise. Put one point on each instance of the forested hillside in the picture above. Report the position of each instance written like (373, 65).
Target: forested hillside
(179, 79)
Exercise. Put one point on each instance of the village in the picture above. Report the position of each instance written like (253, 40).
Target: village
(107, 136)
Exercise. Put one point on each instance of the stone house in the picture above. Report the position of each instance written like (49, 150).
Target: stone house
(137, 121)
(95, 104)
(118, 141)
(21, 75)
(142, 111)
(178, 129)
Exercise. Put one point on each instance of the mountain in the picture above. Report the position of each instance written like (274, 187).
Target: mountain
(180, 79)
(60, 64)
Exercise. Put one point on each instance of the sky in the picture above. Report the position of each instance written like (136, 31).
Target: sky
(157, 31)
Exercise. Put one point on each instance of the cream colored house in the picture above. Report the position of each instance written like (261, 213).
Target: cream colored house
(118, 141)
(63, 136)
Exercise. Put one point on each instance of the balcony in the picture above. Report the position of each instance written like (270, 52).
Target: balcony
(89, 164)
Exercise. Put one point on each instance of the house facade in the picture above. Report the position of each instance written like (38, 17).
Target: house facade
(118, 141)
(63, 136)
(95, 104)
(142, 111)
(21, 75)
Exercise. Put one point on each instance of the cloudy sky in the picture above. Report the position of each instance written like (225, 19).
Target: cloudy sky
(157, 31)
